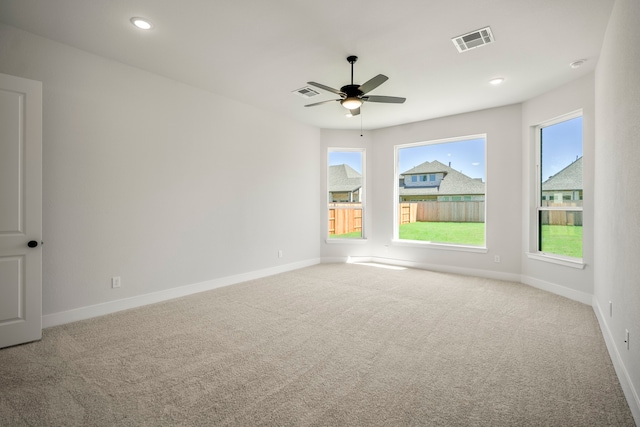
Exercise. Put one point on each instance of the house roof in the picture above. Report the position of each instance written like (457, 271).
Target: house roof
(569, 178)
(454, 182)
(344, 178)
(428, 167)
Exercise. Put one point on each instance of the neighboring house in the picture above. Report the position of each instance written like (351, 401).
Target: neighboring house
(434, 181)
(345, 184)
(565, 185)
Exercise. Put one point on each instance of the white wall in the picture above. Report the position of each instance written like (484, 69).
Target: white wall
(617, 212)
(502, 126)
(158, 182)
(576, 95)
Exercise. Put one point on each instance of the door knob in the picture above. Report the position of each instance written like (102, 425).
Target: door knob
(32, 244)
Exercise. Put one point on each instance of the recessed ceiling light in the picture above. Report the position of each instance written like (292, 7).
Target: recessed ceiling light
(577, 64)
(143, 24)
(496, 81)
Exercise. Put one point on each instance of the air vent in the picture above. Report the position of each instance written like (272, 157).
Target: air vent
(473, 40)
(306, 92)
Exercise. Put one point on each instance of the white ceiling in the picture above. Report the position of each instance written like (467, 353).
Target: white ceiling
(259, 51)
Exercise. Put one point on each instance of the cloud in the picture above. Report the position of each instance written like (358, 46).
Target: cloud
(475, 164)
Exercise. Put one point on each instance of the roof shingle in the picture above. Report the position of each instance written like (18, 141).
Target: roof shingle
(569, 178)
(344, 178)
(454, 182)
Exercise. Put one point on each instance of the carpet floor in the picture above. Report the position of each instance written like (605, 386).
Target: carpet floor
(327, 345)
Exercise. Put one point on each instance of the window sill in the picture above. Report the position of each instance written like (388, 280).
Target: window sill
(346, 241)
(440, 246)
(573, 263)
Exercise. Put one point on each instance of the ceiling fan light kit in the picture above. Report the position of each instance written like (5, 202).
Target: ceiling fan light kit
(352, 96)
(351, 103)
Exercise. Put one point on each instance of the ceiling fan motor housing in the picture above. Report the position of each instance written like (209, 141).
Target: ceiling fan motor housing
(351, 91)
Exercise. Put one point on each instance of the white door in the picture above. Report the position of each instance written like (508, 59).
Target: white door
(20, 210)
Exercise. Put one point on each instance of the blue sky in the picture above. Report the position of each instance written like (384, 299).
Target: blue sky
(465, 156)
(561, 145)
(351, 158)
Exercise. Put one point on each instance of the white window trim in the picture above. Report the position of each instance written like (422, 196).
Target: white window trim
(557, 259)
(396, 199)
(536, 253)
(440, 246)
(351, 241)
(363, 197)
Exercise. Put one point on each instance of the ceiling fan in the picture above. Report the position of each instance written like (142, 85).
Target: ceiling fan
(352, 96)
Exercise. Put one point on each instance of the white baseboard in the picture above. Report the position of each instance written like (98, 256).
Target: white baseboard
(88, 312)
(554, 288)
(621, 371)
(497, 275)
(335, 260)
(573, 294)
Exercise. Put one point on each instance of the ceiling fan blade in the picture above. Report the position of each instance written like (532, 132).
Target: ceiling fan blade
(373, 83)
(386, 99)
(322, 102)
(327, 88)
(355, 111)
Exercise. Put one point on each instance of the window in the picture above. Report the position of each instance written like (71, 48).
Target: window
(345, 184)
(559, 186)
(449, 207)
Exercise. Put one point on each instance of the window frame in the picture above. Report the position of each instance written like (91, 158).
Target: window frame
(363, 194)
(537, 252)
(396, 198)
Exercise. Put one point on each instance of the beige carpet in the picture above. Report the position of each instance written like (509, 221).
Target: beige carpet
(328, 345)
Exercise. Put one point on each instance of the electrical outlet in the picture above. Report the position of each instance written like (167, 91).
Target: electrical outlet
(496, 258)
(610, 309)
(279, 253)
(116, 282)
(626, 337)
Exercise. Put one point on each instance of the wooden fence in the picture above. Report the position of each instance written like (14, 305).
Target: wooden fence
(441, 212)
(345, 218)
(561, 217)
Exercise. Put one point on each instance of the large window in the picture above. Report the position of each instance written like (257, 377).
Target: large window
(559, 189)
(440, 195)
(345, 184)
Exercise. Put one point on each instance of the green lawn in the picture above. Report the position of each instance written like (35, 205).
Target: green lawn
(458, 233)
(562, 240)
(352, 235)
(556, 239)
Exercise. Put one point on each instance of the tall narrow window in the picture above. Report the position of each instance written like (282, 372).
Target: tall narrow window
(560, 187)
(441, 191)
(345, 184)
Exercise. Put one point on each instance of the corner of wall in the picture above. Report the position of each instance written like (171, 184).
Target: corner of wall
(629, 389)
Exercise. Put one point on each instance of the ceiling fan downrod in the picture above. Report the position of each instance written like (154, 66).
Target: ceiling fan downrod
(352, 59)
